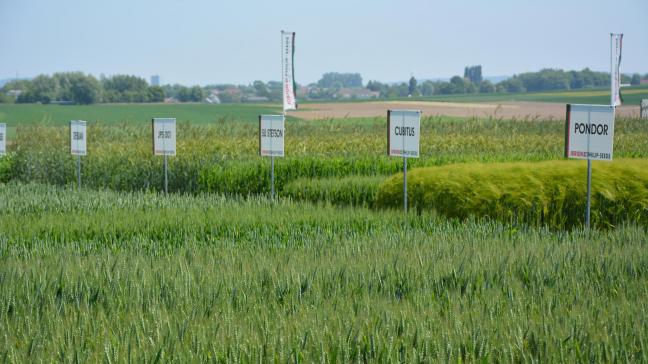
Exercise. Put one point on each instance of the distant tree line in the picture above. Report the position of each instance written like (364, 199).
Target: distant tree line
(79, 88)
(337, 80)
(184, 93)
(544, 80)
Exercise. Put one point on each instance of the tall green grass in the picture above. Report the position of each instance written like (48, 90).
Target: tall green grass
(222, 157)
(542, 194)
(354, 190)
(100, 276)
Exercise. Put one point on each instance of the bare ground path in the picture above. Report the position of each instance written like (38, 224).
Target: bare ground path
(505, 110)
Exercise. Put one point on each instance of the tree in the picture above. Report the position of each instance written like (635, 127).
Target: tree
(636, 79)
(374, 86)
(486, 87)
(260, 89)
(625, 78)
(412, 89)
(511, 85)
(339, 80)
(197, 94)
(402, 89)
(83, 89)
(184, 95)
(125, 88)
(42, 89)
(155, 94)
(427, 88)
(444, 88)
(458, 86)
(474, 74)
(6, 99)
(469, 87)
(545, 79)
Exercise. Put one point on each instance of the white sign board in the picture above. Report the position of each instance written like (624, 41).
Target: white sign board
(271, 135)
(3, 138)
(164, 136)
(78, 137)
(403, 133)
(644, 109)
(589, 132)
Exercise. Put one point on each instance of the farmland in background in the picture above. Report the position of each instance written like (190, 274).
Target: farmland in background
(60, 115)
(31, 114)
(631, 96)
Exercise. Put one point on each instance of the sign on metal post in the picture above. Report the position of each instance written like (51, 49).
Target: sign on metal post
(164, 143)
(403, 138)
(644, 109)
(589, 134)
(271, 141)
(78, 143)
(3, 138)
(78, 140)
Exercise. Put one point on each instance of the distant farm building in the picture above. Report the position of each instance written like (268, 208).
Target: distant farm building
(356, 93)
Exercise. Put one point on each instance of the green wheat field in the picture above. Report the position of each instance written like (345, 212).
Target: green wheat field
(491, 263)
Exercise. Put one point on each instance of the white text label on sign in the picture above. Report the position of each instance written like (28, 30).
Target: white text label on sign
(164, 136)
(271, 135)
(3, 138)
(589, 132)
(403, 133)
(78, 137)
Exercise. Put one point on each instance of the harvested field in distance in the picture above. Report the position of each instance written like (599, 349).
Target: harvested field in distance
(504, 110)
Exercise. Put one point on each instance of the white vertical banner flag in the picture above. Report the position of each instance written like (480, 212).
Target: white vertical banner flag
(616, 42)
(288, 70)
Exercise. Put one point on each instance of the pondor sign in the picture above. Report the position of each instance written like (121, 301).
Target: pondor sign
(589, 132)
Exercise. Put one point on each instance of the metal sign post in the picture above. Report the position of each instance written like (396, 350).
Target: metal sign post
(78, 144)
(79, 171)
(589, 194)
(403, 139)
(405, 183)
(166, 174)
(271, 142)
(272, 182)
(164, 143)
(589, 134)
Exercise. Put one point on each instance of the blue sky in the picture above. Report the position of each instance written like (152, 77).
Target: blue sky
(201, 42)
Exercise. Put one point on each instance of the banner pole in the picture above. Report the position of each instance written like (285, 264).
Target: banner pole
(78, 171)
(166, 176)
(589, 174)
(405, 183)
(612, 82)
